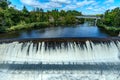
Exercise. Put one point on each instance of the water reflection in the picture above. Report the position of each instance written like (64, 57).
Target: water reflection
(84, 30)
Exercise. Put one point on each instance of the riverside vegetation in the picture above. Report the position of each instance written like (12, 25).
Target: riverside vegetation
(110, 21)
(12, 19)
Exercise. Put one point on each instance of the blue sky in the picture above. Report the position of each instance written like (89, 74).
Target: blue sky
(85, 6)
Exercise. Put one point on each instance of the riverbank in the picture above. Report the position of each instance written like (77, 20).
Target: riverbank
(113, 31)
(28, 26)
(35, 25)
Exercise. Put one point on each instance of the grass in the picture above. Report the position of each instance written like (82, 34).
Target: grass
(110, 30)
(36, 25)
(28, 26)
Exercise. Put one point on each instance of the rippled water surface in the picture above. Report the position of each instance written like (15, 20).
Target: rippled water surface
(83, 30)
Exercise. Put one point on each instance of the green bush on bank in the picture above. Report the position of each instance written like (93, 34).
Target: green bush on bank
(110, 21)
(36, 25)
(2, 29)
(29, 26)
(111, 30)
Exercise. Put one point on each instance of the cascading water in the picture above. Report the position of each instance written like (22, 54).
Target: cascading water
(59, 60)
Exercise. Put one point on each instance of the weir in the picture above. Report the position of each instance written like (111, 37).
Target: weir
(60, 50)
(42, 56)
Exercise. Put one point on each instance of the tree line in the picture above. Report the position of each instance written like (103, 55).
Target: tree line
(110, 21)
(112, 17)
(11, 17)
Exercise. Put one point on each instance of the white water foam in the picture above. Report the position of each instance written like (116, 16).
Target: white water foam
(102, 52)
(61, 75)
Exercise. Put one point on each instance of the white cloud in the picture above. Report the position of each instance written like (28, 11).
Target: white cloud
(85, 2)
(45, 5)
(31, 2)
(69, 7)
(52, 5)
(68, 4)
(109, 1)
(89, 8)
(62, 1)
(93, 6)
(112, 7)
(95, 9)
(77, 4)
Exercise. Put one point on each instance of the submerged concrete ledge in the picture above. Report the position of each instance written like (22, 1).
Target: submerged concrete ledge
(81, 66)
(68, 39)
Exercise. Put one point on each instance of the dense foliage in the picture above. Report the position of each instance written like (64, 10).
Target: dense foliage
(112, 17)
(111, 21)
(12, 19)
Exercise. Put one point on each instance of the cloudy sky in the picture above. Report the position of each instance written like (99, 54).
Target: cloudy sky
(85, 6)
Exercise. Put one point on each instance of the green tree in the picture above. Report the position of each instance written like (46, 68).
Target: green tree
(9, 16)
(55, 15)
(62, 13)
(70, 19)
(42, 15)
(25, 15)
(24, 10)
(116, 17)
(4, 4)
(112, 17)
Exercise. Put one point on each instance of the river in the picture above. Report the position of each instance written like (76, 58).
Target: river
(82, 30)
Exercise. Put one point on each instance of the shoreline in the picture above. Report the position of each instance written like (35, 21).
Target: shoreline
(113, 31)
(35, 25)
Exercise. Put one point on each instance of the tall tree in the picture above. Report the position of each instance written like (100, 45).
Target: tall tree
(25, 16)
(4, 4)
(42, 15)
(112, 17)
(24, 10)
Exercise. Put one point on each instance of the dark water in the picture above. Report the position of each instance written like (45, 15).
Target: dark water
(84, 30)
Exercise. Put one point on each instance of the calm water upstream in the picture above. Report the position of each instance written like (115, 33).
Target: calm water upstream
(83, 30)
